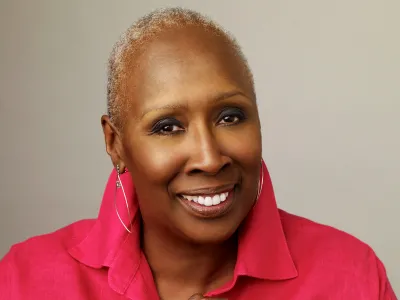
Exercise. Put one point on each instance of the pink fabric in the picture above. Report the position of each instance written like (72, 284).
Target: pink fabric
(280, 256)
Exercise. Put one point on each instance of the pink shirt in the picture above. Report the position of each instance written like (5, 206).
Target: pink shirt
(280, 256)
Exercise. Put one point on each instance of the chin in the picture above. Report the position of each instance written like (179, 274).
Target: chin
(211, 232)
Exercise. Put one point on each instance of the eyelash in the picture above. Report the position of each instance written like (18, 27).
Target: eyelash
(159, 127)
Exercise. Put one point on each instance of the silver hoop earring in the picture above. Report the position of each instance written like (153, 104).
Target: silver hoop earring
(118, 184)
(260, 181)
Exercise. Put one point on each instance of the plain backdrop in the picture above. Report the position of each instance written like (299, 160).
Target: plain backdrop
(328, 85)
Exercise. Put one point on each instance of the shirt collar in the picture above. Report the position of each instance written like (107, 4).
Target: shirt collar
(262, 252)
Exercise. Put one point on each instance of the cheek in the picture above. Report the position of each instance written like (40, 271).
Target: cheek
(243, 146)
(153, 164)
(153, 161)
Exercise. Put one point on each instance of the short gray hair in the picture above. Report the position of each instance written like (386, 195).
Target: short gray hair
(132, 39)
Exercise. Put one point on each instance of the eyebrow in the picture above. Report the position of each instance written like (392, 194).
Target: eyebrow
(218, 97)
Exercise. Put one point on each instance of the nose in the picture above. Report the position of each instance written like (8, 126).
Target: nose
(205, 154)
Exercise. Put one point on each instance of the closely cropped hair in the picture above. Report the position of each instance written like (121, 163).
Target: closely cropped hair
(129, 45)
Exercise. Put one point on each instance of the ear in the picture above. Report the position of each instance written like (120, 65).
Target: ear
(113, 142)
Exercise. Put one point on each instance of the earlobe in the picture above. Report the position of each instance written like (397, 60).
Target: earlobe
(113, 142)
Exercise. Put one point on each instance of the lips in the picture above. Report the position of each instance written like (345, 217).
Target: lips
(208, 202)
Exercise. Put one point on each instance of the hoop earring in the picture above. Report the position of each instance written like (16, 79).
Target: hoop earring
(118, 184)
(260, 181)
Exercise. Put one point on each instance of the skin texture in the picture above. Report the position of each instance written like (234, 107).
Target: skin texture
(192, 82)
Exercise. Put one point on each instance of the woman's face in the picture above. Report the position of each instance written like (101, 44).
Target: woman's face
(192, 140)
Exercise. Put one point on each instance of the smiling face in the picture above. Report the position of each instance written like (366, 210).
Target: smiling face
(192, 139)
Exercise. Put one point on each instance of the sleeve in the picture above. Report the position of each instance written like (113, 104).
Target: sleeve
(8, 278)
(385, 289)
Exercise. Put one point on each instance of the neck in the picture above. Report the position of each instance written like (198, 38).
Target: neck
(202, 267)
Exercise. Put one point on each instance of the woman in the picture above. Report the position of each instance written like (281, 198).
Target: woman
(189, 209)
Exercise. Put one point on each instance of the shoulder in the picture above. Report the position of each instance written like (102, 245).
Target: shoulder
(333, 256)
(309, 240)
(302, 233)
(43, 253)
(51, 245)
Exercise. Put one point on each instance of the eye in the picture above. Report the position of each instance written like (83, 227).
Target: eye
(231, 116)
(167, 126)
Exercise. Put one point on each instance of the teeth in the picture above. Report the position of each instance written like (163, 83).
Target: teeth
(216, 200)
(201, 200)
(208, 200)
(223, 196)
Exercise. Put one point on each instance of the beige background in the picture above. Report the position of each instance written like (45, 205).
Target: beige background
(328, 84)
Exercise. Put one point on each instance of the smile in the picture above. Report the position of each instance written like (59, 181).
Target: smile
(208, 200)
(209, 203)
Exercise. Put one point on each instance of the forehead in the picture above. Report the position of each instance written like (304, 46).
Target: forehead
(185, 63)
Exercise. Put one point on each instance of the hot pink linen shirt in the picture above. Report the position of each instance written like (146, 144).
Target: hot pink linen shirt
(280, 256)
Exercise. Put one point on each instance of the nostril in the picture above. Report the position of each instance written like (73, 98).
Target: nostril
(216, 171)
(225, 166)
(196, 171)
